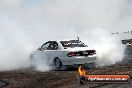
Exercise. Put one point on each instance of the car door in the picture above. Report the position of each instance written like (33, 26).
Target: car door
(40, 56)
(44, 52)
(52, 51)
(49, 51)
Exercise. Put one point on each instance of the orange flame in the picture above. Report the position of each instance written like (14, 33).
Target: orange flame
(81, 71)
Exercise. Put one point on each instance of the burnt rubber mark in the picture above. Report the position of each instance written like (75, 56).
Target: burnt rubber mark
(3, 83)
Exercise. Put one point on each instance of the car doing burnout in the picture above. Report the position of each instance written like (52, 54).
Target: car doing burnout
(65, 54)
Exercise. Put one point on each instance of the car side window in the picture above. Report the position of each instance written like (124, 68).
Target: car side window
(53, 46)
(45, 46)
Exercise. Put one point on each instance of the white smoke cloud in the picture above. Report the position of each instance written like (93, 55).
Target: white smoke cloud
(108, 47)
(39, 63)
(24, 26)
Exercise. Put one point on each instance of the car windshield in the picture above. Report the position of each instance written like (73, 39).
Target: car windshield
(72, 43)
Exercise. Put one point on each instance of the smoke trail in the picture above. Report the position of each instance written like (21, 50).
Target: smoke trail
(14, 47)
(39, 63)
(27, 24)
(109, 48)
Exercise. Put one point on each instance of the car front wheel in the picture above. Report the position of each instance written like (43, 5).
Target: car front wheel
(57, 63)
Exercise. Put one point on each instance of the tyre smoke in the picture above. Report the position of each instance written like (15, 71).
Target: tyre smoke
(25, 25)
(109, 48)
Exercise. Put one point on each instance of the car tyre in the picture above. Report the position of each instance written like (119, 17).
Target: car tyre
(57, 63)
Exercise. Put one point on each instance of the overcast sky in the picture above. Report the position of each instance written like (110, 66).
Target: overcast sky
(55, 18)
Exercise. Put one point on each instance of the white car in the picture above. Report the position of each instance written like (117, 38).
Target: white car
(71, 53)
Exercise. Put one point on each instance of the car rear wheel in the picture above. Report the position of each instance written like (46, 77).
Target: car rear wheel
(57, 63)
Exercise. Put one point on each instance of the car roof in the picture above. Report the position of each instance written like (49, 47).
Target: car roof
(68, 40)
(62, 40)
